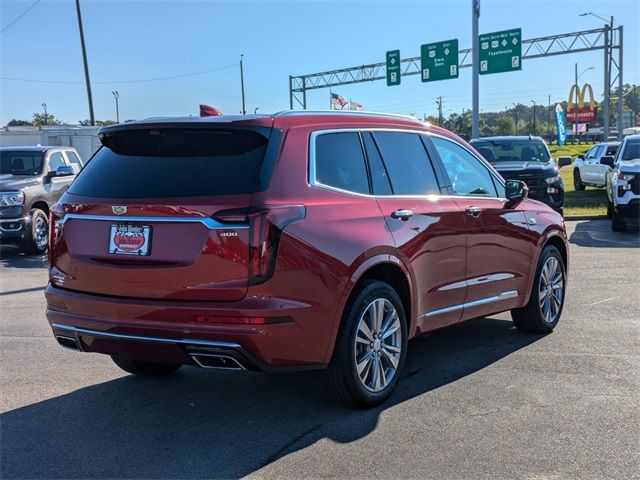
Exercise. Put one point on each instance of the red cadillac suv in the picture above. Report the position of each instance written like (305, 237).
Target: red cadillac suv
(297, 240)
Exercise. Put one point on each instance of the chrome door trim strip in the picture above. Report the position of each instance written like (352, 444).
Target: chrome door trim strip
(208, 222)
(140, 338)
(475, 303)
(477, 281)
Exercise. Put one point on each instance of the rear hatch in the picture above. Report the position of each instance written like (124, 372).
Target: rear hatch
(161, 212)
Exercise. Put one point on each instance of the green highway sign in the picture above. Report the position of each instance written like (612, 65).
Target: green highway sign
(439, 61)
(393, 67)
(501, 51)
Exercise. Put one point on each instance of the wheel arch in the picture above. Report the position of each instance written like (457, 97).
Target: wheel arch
(558, 240)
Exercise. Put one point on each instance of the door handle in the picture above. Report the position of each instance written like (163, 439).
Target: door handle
(403, 215)
(474, 211)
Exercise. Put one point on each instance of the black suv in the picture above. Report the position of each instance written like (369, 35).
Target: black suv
(31, 180)
(525, 158)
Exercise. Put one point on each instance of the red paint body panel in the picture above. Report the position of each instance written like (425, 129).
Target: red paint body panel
(193, 271)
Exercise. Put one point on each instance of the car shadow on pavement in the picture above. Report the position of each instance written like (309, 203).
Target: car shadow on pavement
(598, 234)
(12, 256)
(208, 424)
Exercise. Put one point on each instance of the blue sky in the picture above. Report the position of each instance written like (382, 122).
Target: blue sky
(142, 39)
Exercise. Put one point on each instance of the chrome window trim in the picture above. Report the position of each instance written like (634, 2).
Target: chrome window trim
(313, 182)
(475, 303)
(208, 222)
(141, 338)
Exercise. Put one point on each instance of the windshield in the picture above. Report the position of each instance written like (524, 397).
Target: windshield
(512, 150)
(20, 163)
(631, 150)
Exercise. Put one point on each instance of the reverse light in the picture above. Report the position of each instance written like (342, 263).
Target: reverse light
(8, 199)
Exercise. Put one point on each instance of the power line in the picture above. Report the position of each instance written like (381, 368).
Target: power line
(115, 82)
(20, 16)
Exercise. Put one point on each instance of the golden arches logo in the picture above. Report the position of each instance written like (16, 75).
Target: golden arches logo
(575, 90)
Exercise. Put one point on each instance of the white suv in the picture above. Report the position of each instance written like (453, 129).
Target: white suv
(623, 184)
(588, 170)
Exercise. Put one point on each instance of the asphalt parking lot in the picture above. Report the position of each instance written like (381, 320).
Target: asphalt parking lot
(477, 400)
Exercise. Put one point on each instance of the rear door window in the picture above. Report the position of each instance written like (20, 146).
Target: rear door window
(407, 163)
(74, 161)
(154, 163)
(340, 163)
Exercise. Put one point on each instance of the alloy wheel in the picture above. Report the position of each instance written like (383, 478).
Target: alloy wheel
(551, 289)
(378, 345)
(41, 231)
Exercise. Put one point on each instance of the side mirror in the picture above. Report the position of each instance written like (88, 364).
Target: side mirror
(565, 161)
(581, 156)
(608, 160)
(61, 171)
(516, 191)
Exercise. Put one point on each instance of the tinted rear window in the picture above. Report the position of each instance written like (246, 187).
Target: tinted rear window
(407, 163)
(174, 163)
(340, 162)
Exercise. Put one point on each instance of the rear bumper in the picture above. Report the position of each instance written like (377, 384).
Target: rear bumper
(165, 331)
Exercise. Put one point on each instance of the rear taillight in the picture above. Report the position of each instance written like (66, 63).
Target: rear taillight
(266, 224)
(56, 214)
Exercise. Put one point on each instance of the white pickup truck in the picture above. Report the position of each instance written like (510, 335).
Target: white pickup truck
(623, 184)
(588, 170)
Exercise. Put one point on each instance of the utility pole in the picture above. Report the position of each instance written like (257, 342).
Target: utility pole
(244, 110)
(439, 102)
(516, 112)
(46, 119)
(607, 82)
(534, 116)
(475, 52)
(620, 84)
(92, 117)
(116, 95)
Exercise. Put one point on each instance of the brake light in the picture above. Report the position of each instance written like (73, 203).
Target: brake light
(266, 224)
(56, 214)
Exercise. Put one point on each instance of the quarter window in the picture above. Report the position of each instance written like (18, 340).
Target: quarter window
(407, 163)
(468, 176)
(340, 162)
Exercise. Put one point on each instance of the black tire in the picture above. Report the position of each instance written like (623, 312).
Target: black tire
(617, 224)
(578, 186)
(530, 318)
(609, 209)
(341, 377)
(145, 369)
(33, 242)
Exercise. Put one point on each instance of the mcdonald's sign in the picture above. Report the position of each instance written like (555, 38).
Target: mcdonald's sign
(579, 113)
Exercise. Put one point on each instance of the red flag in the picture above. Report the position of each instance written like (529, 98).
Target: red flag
(209, 111)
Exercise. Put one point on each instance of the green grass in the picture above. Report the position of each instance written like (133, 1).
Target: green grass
(592, 201)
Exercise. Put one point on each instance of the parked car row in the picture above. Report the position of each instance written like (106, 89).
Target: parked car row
(32, 179)
(300, 240)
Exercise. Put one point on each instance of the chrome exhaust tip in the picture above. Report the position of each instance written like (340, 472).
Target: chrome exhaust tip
(218, 361)
(68, 342)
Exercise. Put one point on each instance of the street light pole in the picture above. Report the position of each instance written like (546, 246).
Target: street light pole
(475, 55)
(534, 116)
(116, 95)
(86, 66)
(244, 110)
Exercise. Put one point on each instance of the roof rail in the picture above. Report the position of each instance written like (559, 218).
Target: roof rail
(286, 113)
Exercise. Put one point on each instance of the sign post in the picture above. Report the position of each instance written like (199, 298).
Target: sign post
(439, 61)
(393, 68)
(501, 51)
